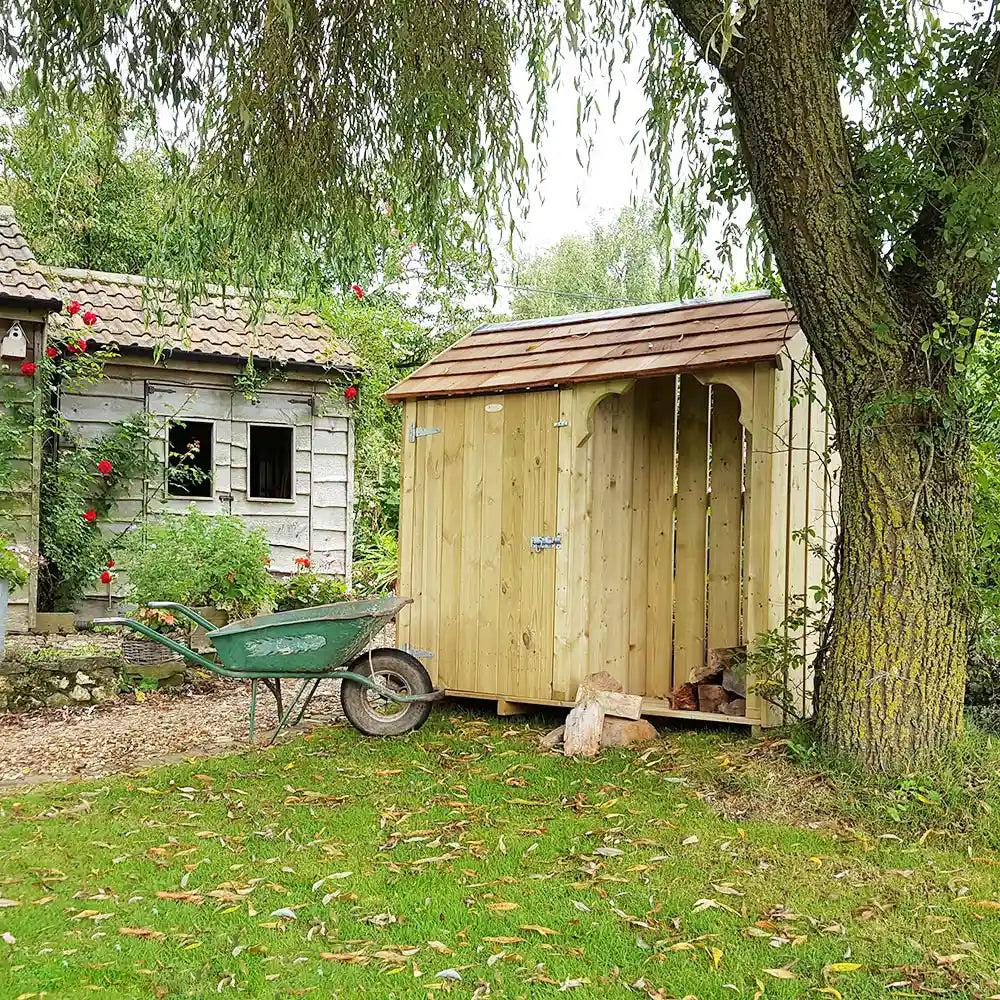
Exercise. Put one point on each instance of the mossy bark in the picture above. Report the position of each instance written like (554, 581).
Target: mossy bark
(893, 674)
(893, 678)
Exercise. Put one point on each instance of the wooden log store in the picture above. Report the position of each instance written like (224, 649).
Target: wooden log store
(647, 491)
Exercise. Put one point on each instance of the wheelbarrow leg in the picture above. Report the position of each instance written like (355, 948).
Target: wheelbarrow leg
(308, 700)
(283, 720)
(253, 707)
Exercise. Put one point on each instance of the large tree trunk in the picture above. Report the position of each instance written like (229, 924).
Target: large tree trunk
(893, 678)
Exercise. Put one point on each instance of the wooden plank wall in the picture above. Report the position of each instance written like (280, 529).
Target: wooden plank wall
(473, 492)
(19, 510)
(679, 532)
(317, 520)
(644, 573)
(800, 525)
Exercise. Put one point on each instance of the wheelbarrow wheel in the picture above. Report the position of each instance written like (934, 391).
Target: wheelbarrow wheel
(375, 715)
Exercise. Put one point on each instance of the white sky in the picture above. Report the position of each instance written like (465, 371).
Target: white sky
(568, 196)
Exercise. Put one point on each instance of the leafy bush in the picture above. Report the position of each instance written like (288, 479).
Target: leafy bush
(307, 590)
(12, 568)
(200, 559)
(377, 564)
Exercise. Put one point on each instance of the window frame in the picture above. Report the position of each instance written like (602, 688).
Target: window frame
(213, 464)
(270, 424)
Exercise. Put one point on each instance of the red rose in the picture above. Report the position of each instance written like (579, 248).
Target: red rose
(51, 352)
(81, 345)
(104, 467)
(111, 564)
(105, 577)
(351, 392)
(29, 368)
(358, 291)
(73, 308)
(90, 516)
(89, 318)
(73, 347)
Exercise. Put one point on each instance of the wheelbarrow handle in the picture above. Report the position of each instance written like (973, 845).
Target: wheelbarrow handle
(164, 640)
(186, 612)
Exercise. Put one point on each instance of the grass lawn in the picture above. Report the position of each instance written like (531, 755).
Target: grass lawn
(462, 862)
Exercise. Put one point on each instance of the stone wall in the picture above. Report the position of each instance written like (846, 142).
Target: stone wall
(55, 681)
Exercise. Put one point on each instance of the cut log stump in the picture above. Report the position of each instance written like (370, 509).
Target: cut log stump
(582, 735)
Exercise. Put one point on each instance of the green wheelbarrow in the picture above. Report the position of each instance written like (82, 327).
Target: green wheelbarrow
(386, 692)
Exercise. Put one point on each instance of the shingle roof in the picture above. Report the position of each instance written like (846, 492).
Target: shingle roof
(134, 312)
(619, 343)
(21, 278)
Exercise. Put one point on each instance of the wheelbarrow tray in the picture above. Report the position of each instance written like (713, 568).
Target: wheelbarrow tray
(302, 643)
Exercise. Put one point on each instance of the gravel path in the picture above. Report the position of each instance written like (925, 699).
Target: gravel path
(135, 731)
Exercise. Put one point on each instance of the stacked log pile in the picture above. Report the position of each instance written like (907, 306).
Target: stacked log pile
(719, 687)
(603, 716)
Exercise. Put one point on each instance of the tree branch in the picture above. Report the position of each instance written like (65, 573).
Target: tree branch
(967, 156)
(794, 143)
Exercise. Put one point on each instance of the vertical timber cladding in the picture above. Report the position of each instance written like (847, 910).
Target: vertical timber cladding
(651, 518)
(479, 480)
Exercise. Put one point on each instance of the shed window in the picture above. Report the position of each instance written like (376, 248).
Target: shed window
(190, 460)
(272, 466)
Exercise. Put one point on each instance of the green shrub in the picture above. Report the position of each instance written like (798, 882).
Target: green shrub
(199, 559)
(377, 564)
(12, 568)
(307, 590)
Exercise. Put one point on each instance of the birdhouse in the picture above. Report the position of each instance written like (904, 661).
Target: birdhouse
(14, 344)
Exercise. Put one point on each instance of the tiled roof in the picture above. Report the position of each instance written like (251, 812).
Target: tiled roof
(620, 343)
(134, 312)
(20, 276)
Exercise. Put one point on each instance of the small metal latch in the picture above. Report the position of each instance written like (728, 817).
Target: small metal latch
(560, 423)
(420, 654)
(540, 542)
(415, 432)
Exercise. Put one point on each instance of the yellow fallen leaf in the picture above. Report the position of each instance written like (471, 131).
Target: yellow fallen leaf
(987, 904)
(841, 967)
(348, 957)
(682, 946)
(829, 991)
(544, 931)
(780, 973)
(716, 955)
(502, 907)
(504, 940)
(948, 959)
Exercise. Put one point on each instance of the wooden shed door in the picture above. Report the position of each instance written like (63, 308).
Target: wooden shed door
(479, 481)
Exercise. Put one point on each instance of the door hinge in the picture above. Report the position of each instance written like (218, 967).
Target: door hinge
(420, 654)
(415, 432)
(540, 542)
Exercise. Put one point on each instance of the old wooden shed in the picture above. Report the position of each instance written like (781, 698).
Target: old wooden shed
(643, 491)
(256, 395)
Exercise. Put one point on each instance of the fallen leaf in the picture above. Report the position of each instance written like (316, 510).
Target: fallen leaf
(841, 967)
(142, 932)
(504, 940)
(502, 907)
(544, 931)
(349, 957)
(449, 974)
(780, 973)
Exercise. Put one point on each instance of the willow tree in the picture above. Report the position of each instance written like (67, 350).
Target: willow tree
(866, 135)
